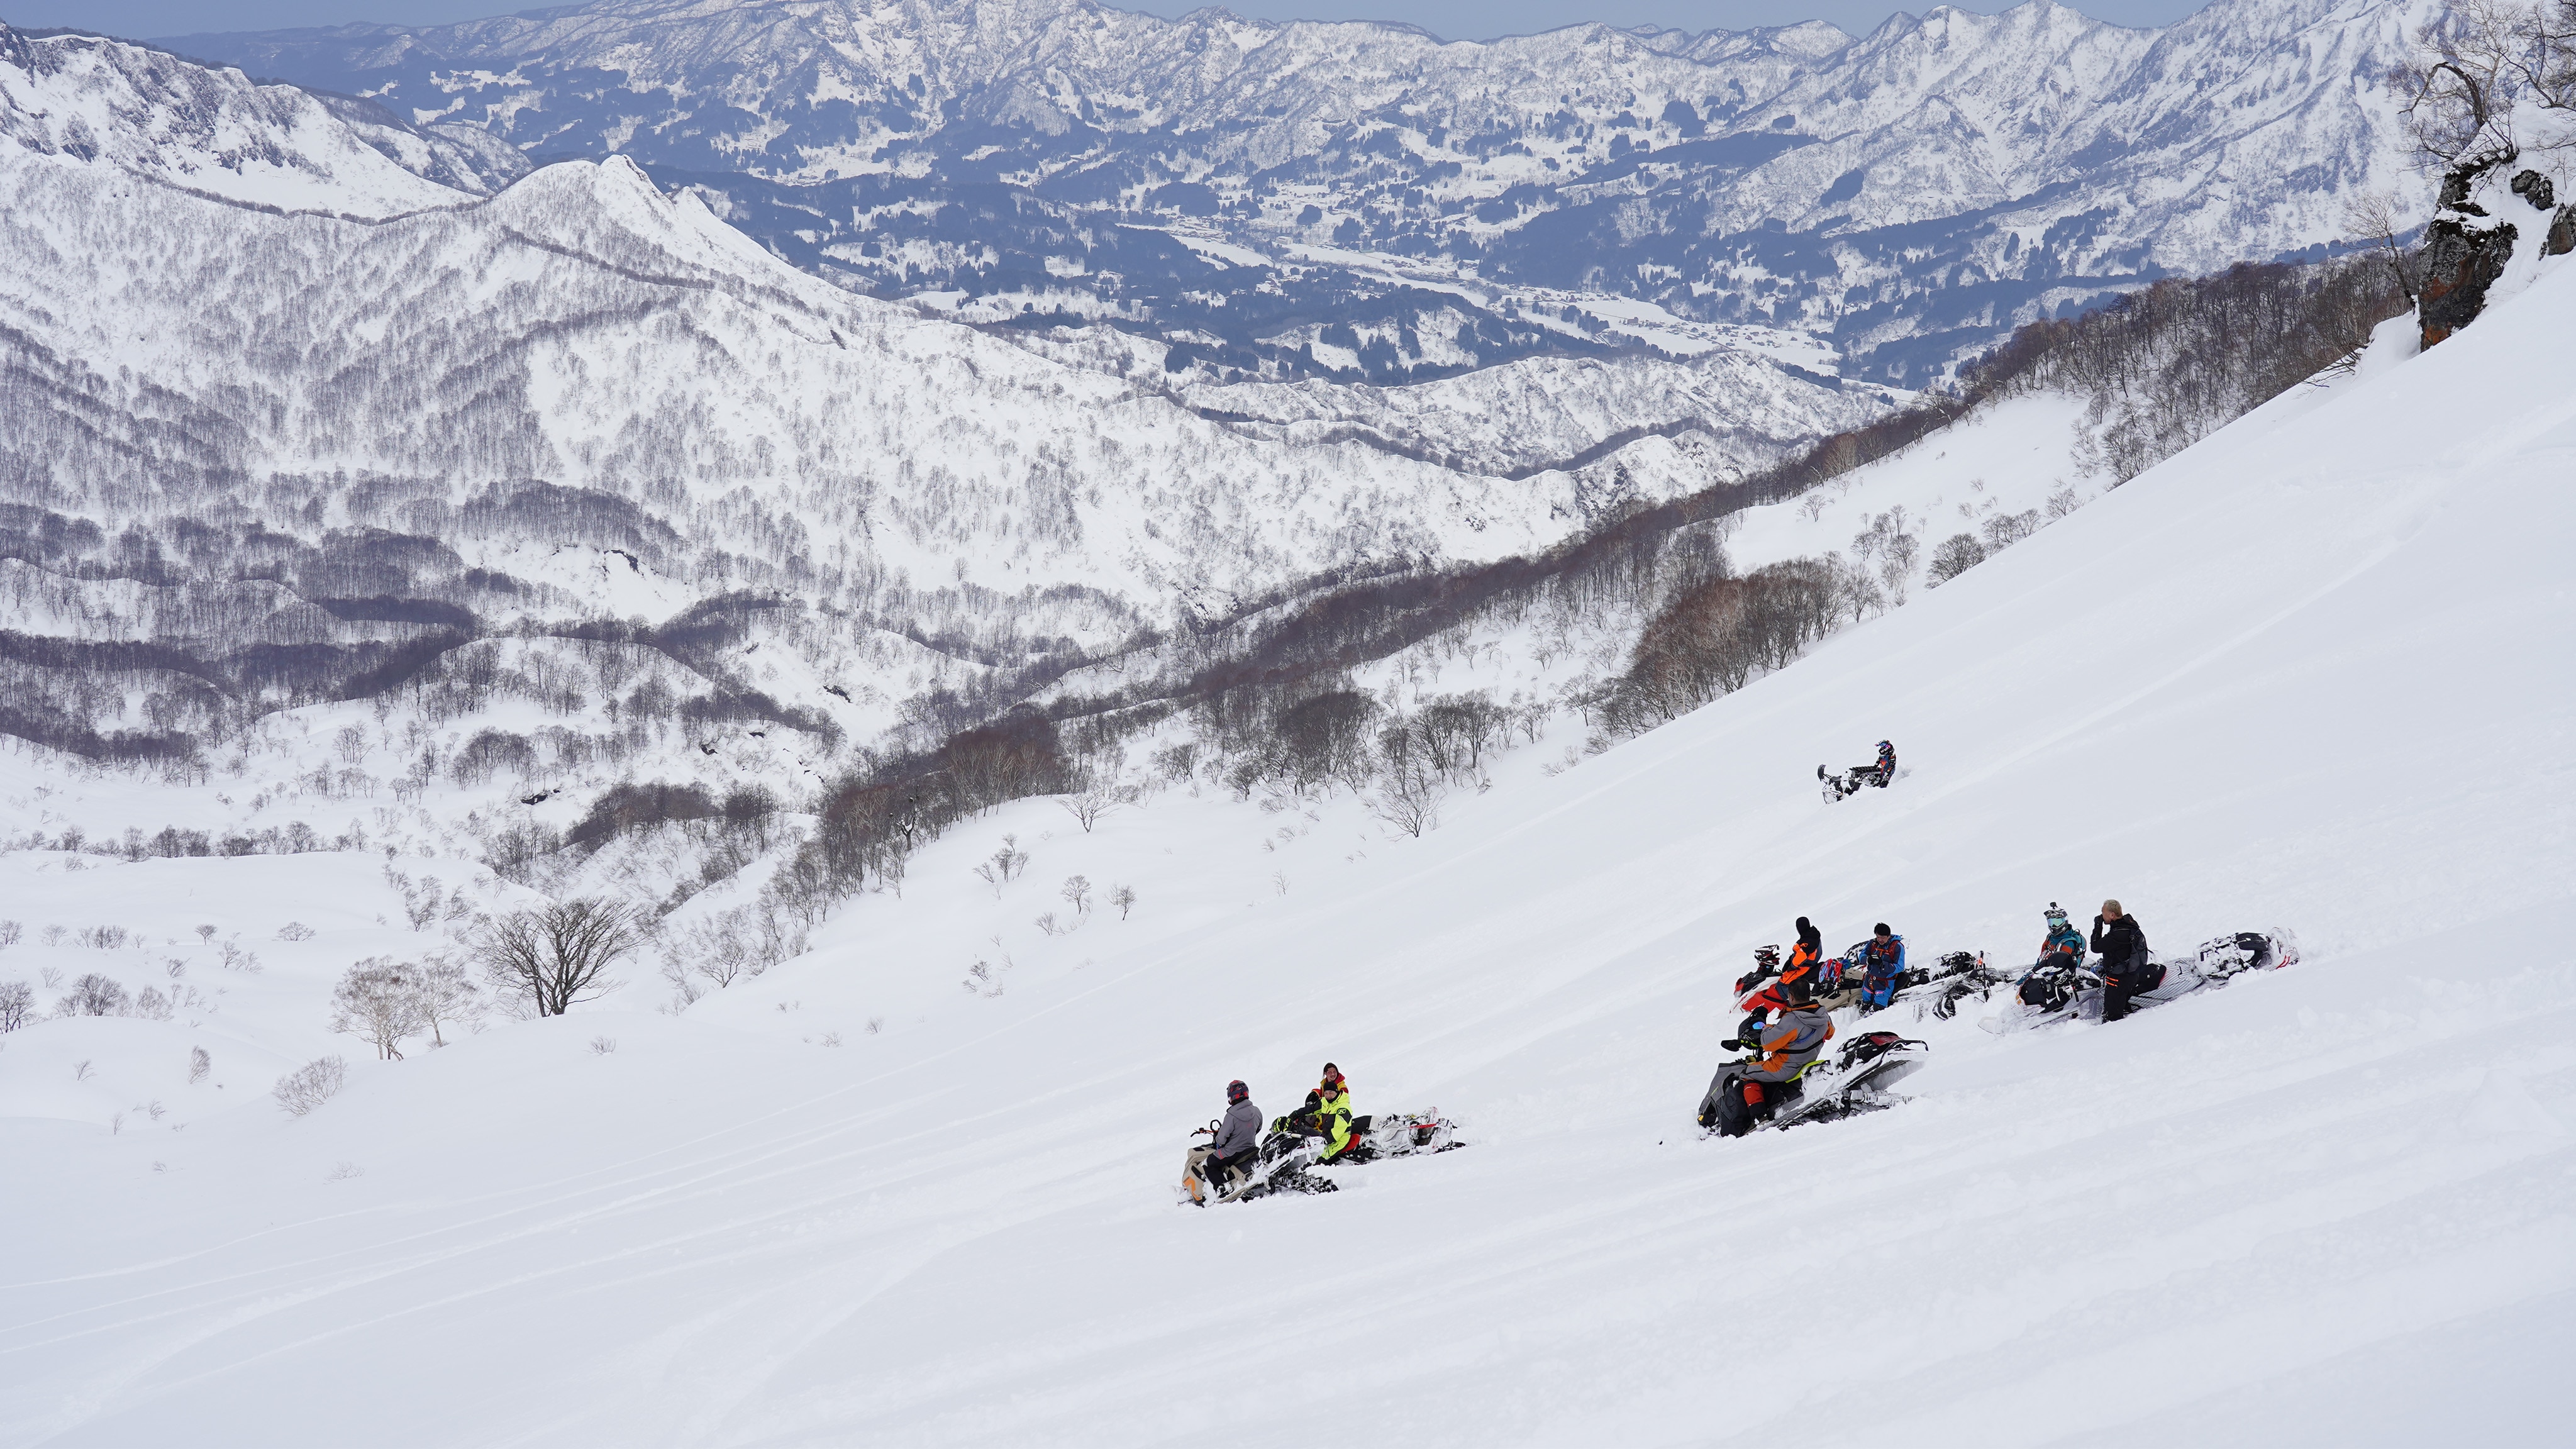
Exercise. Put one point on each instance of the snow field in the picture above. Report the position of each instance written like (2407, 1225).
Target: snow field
(2312, 672)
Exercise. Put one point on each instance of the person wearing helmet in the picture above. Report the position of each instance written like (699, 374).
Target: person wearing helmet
(2062, 937)
(1882, 963)
(1764, 990)
(2126, 967)
(1225, 1162)
(1781, 1053)
(1886, 765)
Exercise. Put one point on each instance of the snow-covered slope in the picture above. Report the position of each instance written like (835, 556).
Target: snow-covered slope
(848, 1201)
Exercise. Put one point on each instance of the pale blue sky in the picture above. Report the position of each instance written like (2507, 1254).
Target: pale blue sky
(1453, 19)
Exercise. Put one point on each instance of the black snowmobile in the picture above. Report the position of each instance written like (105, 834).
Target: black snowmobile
(1833, 1086)
(1847, 783)
(2056, 990)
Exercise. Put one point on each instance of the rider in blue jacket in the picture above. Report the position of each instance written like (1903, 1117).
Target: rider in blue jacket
(1882, 961)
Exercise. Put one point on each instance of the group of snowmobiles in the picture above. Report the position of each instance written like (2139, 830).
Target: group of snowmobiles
(1784, 1080)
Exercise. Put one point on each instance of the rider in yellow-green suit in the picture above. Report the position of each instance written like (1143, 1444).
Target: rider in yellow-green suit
(1327, 1114)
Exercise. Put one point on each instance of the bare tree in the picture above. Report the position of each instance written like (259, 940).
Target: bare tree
(552, 957)
(1003, 865)
(1096, 798)
(445, 995)
(17, 1000)
(310, 1085)
(1124, 898)
(198, 1065)
(1077, 893)
(94, 995)
(10, 931)
(1411, 787)
(1957, 554)
(2372, 216)
(378, 1000)
(2469, 68)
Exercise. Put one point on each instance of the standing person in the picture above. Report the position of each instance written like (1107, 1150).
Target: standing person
(1810, 949)
(1225, 1163)
(1882, 962)
(2122, 945)
(1756, 1089)
(1766, 989)
(1886, 765)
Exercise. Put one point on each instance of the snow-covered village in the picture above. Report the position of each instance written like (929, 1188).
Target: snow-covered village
(1007, 722)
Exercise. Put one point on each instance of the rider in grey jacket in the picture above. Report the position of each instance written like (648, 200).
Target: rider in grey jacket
(1226, 1162)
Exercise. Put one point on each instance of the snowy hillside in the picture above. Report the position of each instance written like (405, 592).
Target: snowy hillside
(848, 1200)
(1306, 199)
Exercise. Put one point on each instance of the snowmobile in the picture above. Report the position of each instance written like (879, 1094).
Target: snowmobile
(1287, 1159)
(1847, 783)
(1397, 1134)
(2056, 990)
(1846, 1084)
(1950, 979)
(1280, 1165)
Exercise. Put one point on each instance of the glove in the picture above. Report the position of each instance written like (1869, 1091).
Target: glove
(1731, 1045)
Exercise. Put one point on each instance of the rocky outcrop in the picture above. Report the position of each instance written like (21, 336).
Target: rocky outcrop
(2537, 189)
(2465, 249)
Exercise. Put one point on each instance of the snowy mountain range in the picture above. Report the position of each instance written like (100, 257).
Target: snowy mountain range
(301, 391)
(1368, 203)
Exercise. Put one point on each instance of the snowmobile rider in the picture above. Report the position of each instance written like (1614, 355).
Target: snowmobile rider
(1882, 964)
(1810, 949)
(2122, 945)
(1886, 766)
(1327, 1114)
(1783, 1051)
(1226, 1162)
(2061, 936)
(1765, 989)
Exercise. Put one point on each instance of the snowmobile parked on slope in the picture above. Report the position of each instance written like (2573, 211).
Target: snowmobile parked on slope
(1842, 785)
(2053, 991)
(1844, 1084)
(1288, 1161)
(1954, 977)
(1396, 1134)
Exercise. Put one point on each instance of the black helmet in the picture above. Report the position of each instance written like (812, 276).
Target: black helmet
(1236, 1091)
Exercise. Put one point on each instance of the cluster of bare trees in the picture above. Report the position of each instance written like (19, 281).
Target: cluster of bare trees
(387, 1002)
(2167, 365)
(2475, 64)
(1716, 636)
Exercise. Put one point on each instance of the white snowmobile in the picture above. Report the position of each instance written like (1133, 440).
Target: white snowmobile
(1952, 978)
(1844, 1084)
(1288, 1159)
(2053, 991)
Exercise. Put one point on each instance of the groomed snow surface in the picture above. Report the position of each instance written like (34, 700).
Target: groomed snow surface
(2313, 673)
